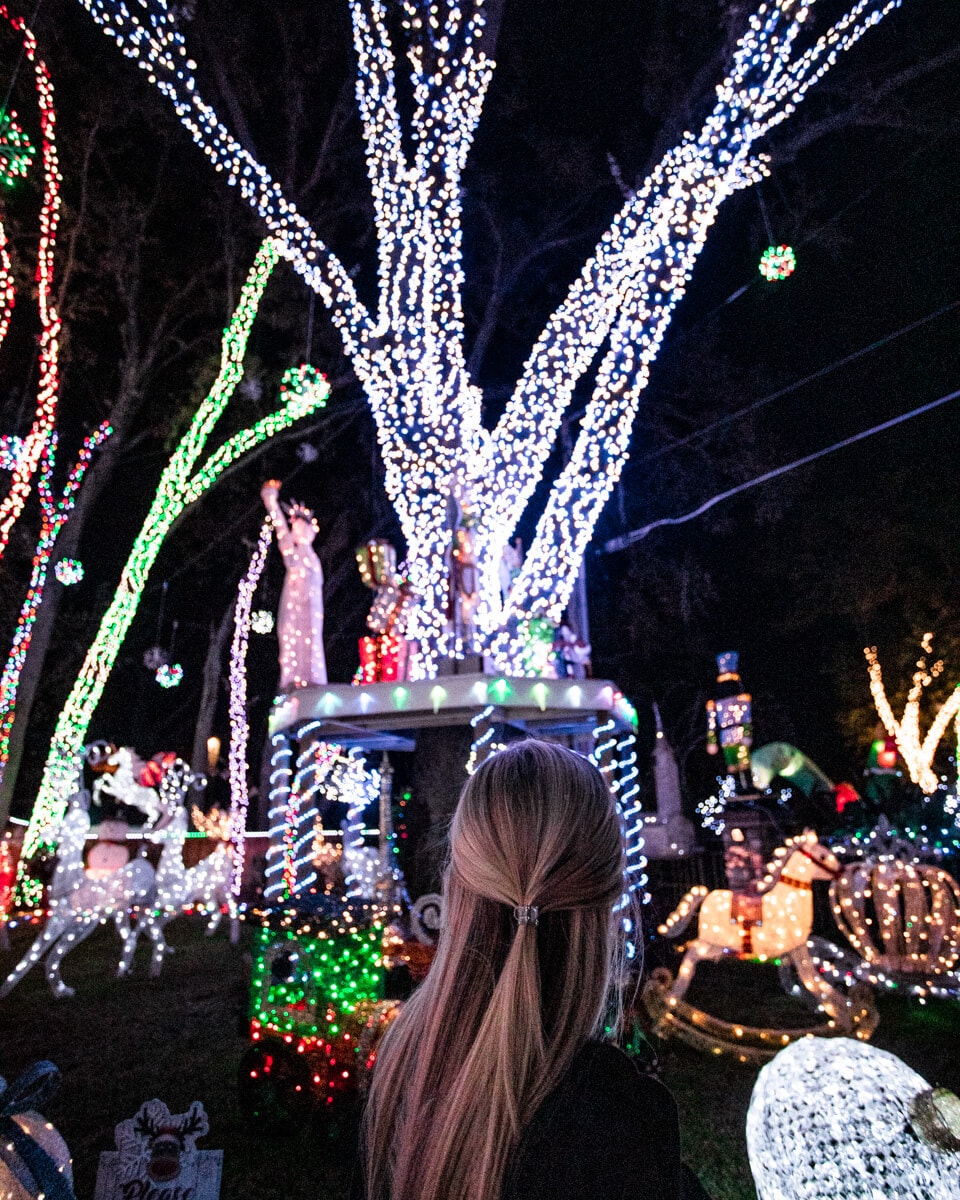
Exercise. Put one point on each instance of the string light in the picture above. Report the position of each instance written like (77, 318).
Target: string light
(409, 354)
(916, 753)
(614, 754)
(711, 810)
(317, 1013)
(54, 514)
(243, 622)
(777, 262)
(183, 482)
(32, 447)
(16, 150)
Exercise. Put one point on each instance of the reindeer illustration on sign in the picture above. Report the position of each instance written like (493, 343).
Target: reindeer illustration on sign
(769, 925)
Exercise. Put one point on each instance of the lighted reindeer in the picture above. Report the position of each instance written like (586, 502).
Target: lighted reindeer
(180, 888)
(81, 898)
(79, 904)
(771, 924)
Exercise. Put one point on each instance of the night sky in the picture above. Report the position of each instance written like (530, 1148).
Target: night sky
(798, 574)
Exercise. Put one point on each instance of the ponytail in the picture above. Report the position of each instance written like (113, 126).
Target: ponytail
(520, 980)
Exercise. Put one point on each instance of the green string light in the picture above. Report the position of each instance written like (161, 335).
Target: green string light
(16, 151)
(303, 390)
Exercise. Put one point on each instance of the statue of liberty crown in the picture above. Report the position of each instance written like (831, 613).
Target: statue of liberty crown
(299, 512)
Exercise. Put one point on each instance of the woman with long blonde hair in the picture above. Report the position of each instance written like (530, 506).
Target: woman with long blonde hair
(491, 1084)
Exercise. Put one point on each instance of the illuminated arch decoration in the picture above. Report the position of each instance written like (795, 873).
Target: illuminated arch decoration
(28, 460)
(239, 726)
(408, 353)
(183, 482)
(918, 753)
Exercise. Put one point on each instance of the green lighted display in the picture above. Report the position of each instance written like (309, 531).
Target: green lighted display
(308, 973)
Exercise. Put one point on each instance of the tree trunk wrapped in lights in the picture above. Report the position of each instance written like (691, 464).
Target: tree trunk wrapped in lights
(31, 448)
(409, 352)
(916, 751)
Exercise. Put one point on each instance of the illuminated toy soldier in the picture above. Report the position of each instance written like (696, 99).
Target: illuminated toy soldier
(300, 620)
(729, 726)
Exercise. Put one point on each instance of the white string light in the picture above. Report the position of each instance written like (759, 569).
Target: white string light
(239, 725)
(409, 354)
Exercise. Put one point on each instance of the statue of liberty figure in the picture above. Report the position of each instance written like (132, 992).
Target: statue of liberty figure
(300, 620)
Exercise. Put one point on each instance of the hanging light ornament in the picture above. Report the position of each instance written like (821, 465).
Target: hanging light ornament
(170, 675)
(262, 621)
(777, 262)
(69, 571)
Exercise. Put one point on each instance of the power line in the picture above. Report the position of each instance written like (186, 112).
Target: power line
(636, 535)
(792, 387)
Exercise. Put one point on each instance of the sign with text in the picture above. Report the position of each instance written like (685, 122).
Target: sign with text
(157, 1157)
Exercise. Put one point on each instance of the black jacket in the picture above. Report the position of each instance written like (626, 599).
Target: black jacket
(607, 1132)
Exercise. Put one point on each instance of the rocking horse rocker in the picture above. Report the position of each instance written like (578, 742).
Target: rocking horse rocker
(769, 925)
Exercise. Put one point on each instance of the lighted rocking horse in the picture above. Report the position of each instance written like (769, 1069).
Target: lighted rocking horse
(769, 925)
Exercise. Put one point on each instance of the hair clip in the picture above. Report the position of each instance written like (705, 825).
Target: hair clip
(526, 914)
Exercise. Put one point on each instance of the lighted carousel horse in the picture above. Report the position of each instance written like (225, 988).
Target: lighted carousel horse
(179, 888)
(770, 925)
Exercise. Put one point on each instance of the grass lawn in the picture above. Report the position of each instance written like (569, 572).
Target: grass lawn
(180, 1038)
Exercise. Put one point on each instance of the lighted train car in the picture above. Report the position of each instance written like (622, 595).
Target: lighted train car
(317, 1007)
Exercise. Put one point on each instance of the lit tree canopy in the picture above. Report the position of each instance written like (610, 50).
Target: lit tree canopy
(409, 352)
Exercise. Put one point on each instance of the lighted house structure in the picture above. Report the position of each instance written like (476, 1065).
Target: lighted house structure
(432, 720)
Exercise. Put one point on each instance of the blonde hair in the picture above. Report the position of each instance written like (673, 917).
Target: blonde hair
(506, 1005)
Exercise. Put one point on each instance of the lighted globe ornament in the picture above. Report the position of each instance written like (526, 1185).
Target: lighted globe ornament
(69, 571)
(170, 675)
(777, 262)
(261, 621)
(834, 1119)
(16, 151)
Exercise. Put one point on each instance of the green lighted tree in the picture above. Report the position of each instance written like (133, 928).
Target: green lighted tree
(183, 482)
